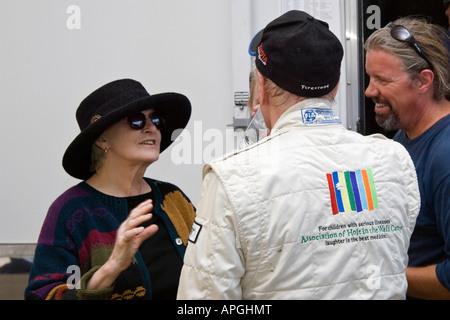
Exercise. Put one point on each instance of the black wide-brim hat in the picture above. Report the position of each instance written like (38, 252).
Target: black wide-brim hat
(112, 103)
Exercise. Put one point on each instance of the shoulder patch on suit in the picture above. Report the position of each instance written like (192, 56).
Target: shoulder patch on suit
(195, 231)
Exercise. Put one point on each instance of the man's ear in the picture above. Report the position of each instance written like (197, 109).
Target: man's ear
(425, 81)
(335, 90)
(260, 81)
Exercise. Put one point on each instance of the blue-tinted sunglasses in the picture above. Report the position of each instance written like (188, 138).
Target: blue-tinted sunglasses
(138, 121)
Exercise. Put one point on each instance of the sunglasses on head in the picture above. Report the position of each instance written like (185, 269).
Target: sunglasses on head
(401, 33)
(138, 121)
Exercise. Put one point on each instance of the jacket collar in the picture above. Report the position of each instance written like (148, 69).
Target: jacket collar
(309, 112)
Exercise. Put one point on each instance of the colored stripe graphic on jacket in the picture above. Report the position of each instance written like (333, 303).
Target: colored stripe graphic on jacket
(352, 191)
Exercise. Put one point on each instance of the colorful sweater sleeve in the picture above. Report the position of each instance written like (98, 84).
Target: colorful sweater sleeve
(63, 257)
(49, 280)
(53, 256)
(48, 276)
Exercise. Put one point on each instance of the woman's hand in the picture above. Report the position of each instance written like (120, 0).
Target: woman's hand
(130, 236)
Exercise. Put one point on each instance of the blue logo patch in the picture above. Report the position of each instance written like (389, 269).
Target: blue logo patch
(319, 116)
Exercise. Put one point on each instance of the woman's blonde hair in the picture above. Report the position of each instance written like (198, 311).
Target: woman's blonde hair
(97, 156)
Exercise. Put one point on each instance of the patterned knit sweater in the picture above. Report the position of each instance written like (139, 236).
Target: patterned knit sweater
(79, 234)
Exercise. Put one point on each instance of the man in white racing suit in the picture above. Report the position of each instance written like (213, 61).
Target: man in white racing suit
(313, 211)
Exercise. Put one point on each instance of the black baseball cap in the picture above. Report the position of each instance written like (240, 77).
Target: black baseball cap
(299, 54)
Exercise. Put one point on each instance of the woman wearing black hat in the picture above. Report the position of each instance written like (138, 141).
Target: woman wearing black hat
(117, 234)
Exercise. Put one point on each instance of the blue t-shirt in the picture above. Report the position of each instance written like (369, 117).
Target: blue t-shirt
(430, 241)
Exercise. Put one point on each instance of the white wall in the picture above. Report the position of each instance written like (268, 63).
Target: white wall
(189, 46)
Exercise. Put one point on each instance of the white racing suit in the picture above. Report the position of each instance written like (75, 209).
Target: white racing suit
(313, 211)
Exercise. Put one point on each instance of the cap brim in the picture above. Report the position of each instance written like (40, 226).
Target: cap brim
(176, 108)
(254, 44)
